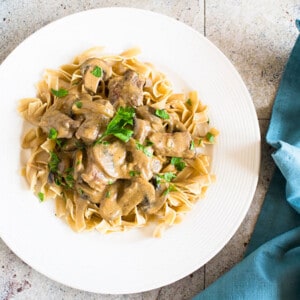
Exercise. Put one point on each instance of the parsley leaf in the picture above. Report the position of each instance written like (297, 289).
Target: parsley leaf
(210, 137)
(168, 176)
(134, 173)
(192, 145)
(162, 114)
(178, 163)
(60, 93)
(189, 102)
(118, 125)
(53, 163)
(97, 72)
(169, 189)
(52, 134)
(145, 149)
(78, 104)
(69, 179)
(41, 196)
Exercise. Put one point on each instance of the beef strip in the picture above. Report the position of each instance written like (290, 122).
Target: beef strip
(63, 124)
(126, 89)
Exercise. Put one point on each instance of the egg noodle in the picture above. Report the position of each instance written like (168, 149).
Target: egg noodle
(114, 146)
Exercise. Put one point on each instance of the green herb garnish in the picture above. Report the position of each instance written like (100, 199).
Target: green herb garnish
(97, 72)
(169, 189)
(167, 177)
(134, 173)
(192, 145)
(41, 196)
(78, 104)
(69, 179)
(189, 102)
(52, 134)
(145, 149)
(162, 114)
(60, 93)
(178, 163)
(119, 124)
(148, 143)
(107, 195)
(57, 180)
(60, 142)
(53, 163)
(210, 137)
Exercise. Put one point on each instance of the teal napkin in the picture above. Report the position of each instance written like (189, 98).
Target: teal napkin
(271, 267)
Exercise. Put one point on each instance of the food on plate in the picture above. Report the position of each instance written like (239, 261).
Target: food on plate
(114, 145)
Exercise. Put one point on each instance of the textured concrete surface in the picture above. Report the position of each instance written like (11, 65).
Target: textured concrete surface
(257, 36)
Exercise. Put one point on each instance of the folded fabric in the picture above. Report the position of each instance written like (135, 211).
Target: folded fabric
(271, 267)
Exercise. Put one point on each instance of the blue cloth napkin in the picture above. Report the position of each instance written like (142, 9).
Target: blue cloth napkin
(271, 267)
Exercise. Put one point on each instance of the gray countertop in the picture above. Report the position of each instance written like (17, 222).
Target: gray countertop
(257, 36)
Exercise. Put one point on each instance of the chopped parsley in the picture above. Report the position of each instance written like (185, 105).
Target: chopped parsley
(57, 180)
(148, 143)
(80, 191)
(169, 189)
(167, 177)
(189, 102)
(97, 72)
(107, 195)
(119, 124)
(60, 93)
(178, 163)
(60, 142)
(134, 173)
(41, 196)
(69, 179)
(52, 134)
(162, 114)
(192, 145)
(53, 163)
(210, 137)
(78, 104)
(145, 149)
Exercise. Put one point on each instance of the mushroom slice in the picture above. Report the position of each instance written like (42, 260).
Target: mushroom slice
(109, 207)
(153, 205)
(93, 71)
(138, 191)
(141, 129)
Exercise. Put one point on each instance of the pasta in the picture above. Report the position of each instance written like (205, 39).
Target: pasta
(114, 146)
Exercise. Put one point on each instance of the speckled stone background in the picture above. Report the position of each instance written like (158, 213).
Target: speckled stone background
(257, 36)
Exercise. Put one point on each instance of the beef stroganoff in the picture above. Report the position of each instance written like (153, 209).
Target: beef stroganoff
(114, 145)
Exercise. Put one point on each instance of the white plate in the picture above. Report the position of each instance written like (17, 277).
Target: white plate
(133, 261)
